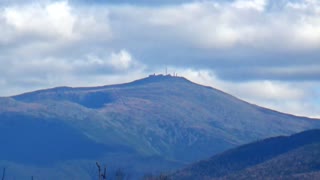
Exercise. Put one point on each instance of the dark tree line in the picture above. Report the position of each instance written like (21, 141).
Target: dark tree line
(119, 175)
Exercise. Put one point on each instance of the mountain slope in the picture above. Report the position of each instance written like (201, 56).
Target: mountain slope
(162, 118)
(167, 115)
(301, 163)
(287, 157)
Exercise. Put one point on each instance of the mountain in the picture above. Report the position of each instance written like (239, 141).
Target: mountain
(285, 157)
(158, 123)
(302, 163)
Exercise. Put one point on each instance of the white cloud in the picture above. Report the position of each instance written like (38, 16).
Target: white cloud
(52, 43)
(54, 21)
(122, 60)
(293, 98)
(114, 62)
(258, 5)
(243, 23)
(32, 74)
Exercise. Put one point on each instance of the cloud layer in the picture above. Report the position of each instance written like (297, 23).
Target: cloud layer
(265, 51)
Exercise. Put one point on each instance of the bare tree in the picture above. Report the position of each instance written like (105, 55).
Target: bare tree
(104, 175)
(3, 173)
(99, 170)
(100, 175)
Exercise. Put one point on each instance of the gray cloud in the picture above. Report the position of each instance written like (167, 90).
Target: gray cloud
(216, 34)
(248, 34)
(298, 73)
(139, 2)
(79, 43)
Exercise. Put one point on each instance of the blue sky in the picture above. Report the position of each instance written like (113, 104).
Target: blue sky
(263, 51)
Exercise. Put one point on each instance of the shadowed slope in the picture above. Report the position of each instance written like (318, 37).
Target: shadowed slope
(274, 157)
(25, 139)
(170, 116)
(301, 163)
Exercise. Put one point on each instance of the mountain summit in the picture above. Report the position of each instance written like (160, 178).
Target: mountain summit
(167, 121)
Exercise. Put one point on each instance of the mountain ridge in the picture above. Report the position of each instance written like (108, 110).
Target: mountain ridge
(143, 81)
(253, 160)
(160, 118)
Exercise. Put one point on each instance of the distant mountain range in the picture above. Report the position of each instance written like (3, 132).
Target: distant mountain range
(292, 157)
(154, 124)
